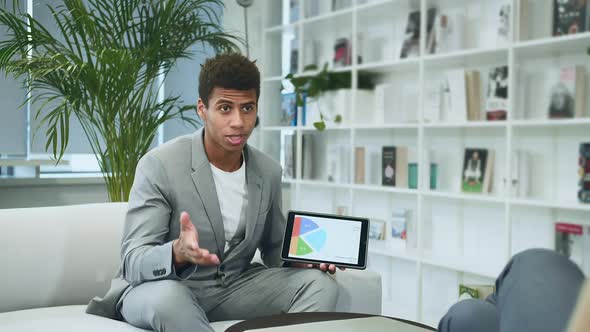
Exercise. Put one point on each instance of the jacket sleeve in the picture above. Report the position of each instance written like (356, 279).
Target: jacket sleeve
(272, 240)
(145, 254)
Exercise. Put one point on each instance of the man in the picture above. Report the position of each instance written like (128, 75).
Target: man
(536, 291)
(199, 208)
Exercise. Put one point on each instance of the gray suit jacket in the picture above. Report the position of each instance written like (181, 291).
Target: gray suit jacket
(177, 177)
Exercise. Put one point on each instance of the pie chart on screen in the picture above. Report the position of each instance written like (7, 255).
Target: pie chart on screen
(307, 237)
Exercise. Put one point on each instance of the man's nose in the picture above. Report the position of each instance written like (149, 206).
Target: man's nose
(236, 119)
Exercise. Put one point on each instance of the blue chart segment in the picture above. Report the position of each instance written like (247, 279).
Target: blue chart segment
(316, 240)
(307, 226)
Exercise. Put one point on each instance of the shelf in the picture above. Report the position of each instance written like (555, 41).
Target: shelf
(382, 248)
(550, 204)
(475, 197)
(278, 128)
(325, 184)
(468, 58)
(458, 264)
(552, 123)
(330, 15)
(31, 162)
(279, 28)
(386, 126)
(554, 46)
(467, 124)
(390, 65)
(365, 187)
(371, 5)
(273, 79)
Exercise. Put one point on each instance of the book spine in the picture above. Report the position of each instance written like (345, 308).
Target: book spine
(388, 166)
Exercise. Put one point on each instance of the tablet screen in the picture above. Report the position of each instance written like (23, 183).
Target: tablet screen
(325, 239)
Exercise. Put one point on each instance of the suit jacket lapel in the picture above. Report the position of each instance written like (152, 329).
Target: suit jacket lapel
(254, 183)
(203, 180)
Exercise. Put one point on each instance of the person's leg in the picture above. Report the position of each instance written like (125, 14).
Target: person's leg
(163, 306)
(273, 291)
(470, 316)
(537, 291)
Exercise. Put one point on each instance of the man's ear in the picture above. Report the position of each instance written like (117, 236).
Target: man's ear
(201, 109)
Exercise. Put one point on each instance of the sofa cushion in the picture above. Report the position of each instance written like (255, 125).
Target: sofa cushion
(70, 318)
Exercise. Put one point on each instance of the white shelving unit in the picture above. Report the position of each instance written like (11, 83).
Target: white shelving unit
(461, 238)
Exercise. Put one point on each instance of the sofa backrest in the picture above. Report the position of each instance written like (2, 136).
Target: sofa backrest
(54, 256)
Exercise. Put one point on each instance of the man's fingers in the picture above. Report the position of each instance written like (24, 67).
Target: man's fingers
(186, 225)
(323, 267)
(332, 268)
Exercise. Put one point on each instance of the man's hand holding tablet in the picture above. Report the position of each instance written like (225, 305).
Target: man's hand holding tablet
(325, 241)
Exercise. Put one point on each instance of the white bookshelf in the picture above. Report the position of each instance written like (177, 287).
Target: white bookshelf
(461, 237)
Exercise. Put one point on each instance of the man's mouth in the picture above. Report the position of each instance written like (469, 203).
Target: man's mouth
(236, 139)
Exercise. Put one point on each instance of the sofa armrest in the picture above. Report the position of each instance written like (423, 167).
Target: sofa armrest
(359, 291)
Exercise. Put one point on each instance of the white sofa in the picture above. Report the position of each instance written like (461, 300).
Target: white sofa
(55, 259)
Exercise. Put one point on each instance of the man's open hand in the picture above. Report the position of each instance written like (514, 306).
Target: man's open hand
(186, 248)
(331, 268)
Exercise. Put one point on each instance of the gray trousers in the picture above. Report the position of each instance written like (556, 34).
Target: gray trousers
(170, 305)
(537, 291)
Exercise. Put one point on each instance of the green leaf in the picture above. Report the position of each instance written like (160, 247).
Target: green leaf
(320, 125)
(338, 118)
(310, 68)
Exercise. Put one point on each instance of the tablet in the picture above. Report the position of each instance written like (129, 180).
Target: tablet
(324, 238)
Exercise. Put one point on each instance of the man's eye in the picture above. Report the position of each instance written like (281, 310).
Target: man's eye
(224, 108)
(248, 108)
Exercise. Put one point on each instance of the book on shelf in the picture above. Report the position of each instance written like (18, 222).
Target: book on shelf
(294, 56)
(377, 229)
(478, 166)
(337, 163)
(293, 11)
(521, 172)
(399, 218)
(570, 16)
(448, 31)
(342, 53)
(503, 19)
(411, 43)
(497, 94)
(432, 101)
(288, 109)
(471, 291)
(573, 241)
(394, 165)
(312, 8)
(341, 210)
(307, 162)
(454, 96)
(430, 35)
(567, 92)
(584, 173)
(359, 165)
(473, 86)
(287, 155)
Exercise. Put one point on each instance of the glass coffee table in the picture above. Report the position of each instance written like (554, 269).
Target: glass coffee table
(328, 322)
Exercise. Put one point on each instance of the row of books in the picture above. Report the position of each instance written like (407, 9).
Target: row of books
(314, 7)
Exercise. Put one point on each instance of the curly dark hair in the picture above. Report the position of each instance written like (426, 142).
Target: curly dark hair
(229, 71)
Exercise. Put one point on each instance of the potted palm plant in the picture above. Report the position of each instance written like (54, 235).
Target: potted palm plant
(103, 66)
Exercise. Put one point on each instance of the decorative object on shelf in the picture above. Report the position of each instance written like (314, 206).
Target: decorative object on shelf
(310, 87)
(478, 166)
(573, 241)
(497, 94)
(399, 219)
(307, 161)
(394, 166)
(294, 56)
(584, 172)
(503, 23)
(567, 92)
(481, 292)
(102, 72)
(570, 16)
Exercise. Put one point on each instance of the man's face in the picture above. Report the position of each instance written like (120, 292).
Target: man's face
(229, 119)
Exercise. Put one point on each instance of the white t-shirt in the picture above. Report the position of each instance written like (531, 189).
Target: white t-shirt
(232, 195)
